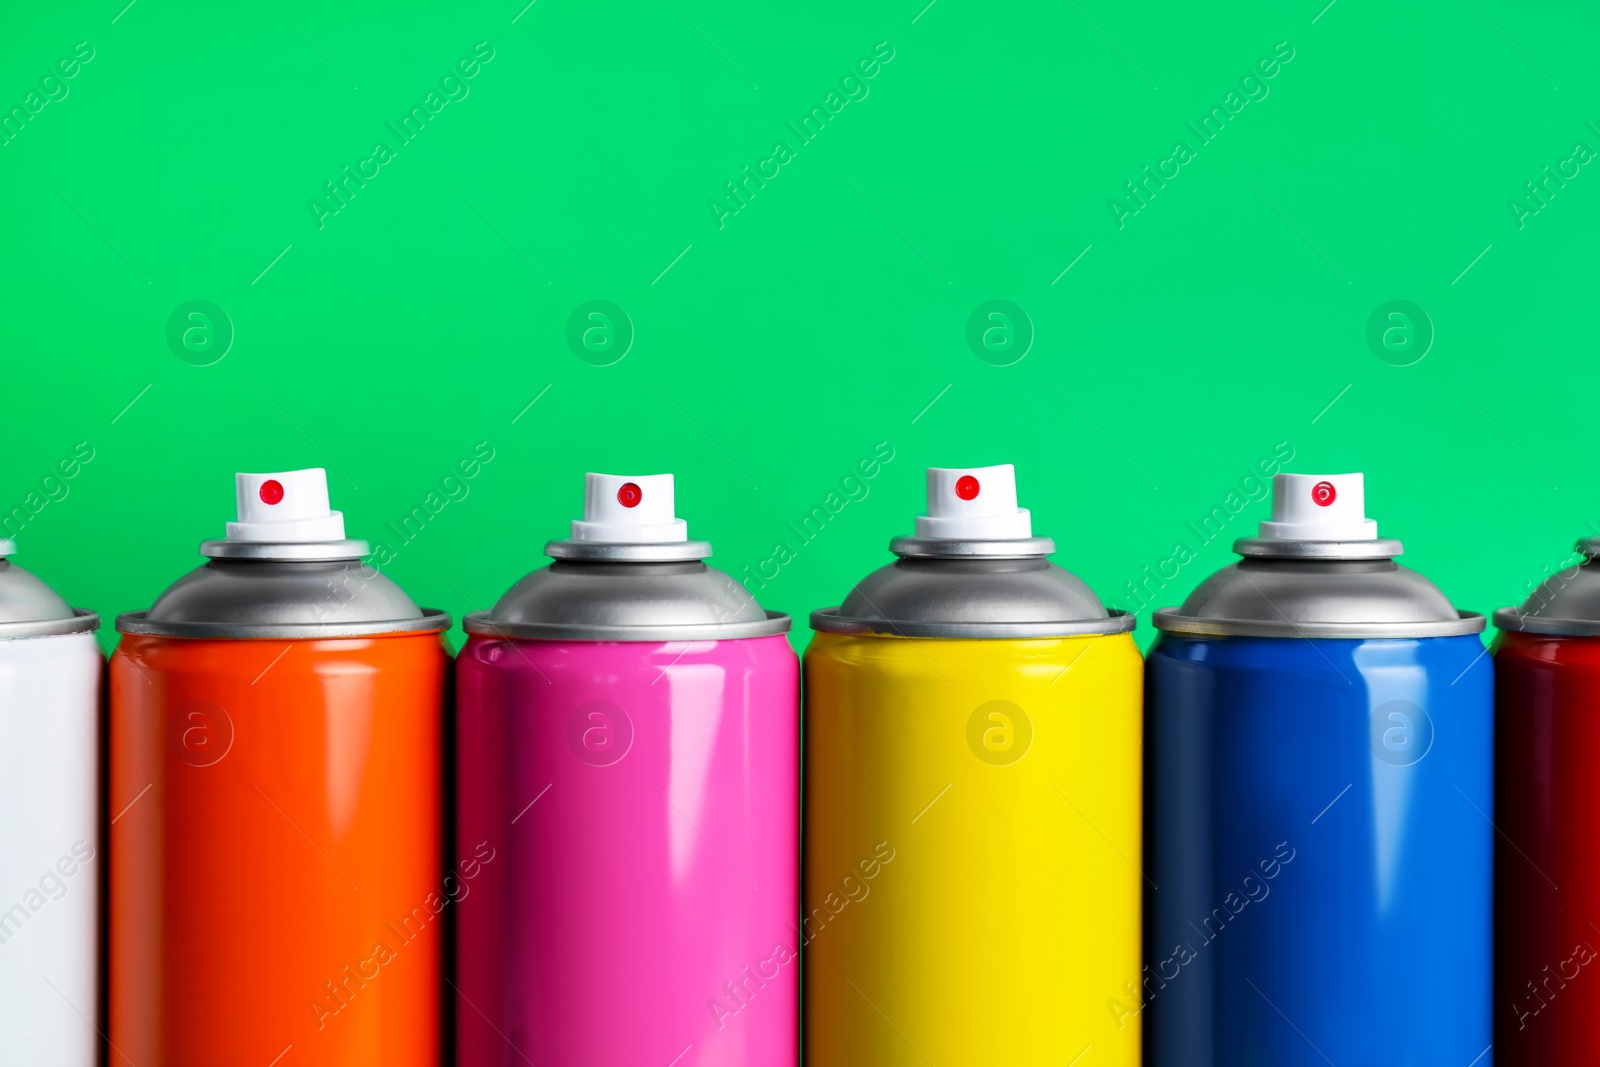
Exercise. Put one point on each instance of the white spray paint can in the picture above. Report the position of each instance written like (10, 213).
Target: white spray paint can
(50, 824)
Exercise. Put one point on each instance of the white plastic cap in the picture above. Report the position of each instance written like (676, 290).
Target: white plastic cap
(628, 509)
(286, 506)
(1319, 507)
(974, 503)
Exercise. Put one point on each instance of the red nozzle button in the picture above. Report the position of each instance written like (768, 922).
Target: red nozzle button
(271, 491)
(629, 495)
(967, 487)
(1323, 494)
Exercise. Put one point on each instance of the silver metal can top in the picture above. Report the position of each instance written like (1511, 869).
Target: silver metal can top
(289, 590)
(973, 570)
(1567, 603)
(1319, 569)
(285, 571)
(618, 591)
(30, 608)
(1317, 589)
(974, 588)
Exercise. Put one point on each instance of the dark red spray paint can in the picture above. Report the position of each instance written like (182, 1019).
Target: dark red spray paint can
(1547, 786)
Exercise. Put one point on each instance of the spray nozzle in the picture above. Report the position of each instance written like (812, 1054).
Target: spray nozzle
(285, 506)
(1318, 507)
(974, 503)
(629, 509)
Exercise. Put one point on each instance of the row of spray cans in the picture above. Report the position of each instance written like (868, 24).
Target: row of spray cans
(293, 838)
(318, 857)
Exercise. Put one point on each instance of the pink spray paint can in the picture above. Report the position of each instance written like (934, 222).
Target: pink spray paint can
(628, 731)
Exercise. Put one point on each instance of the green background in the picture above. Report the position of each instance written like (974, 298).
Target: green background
(773, 352)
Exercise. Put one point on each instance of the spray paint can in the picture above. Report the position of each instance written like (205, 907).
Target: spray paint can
(973, 724)
(1319, 734)
(1547, 877)
(628, 743)
(276, 722)
(50, 825)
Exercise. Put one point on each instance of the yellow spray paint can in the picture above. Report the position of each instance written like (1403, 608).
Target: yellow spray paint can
(972, 839)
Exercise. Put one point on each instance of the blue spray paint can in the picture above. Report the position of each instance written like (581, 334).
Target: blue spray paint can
(1318, 836)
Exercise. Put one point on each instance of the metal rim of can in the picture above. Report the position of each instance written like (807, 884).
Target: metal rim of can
(478, 623)
(992, 548)
(629, 552)
(134, 622)
(828, 620)
(1514, 621)
(1266, 547)
(284, 551)
(82, 622)
(1170, 621)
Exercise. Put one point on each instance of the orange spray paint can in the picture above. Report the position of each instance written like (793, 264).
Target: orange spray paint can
(275, 794)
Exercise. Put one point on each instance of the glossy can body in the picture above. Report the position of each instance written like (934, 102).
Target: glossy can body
(1318, 825)
(972, 849)
(643, 801)
(50, 849)
(275, 850)
(1547, 888)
